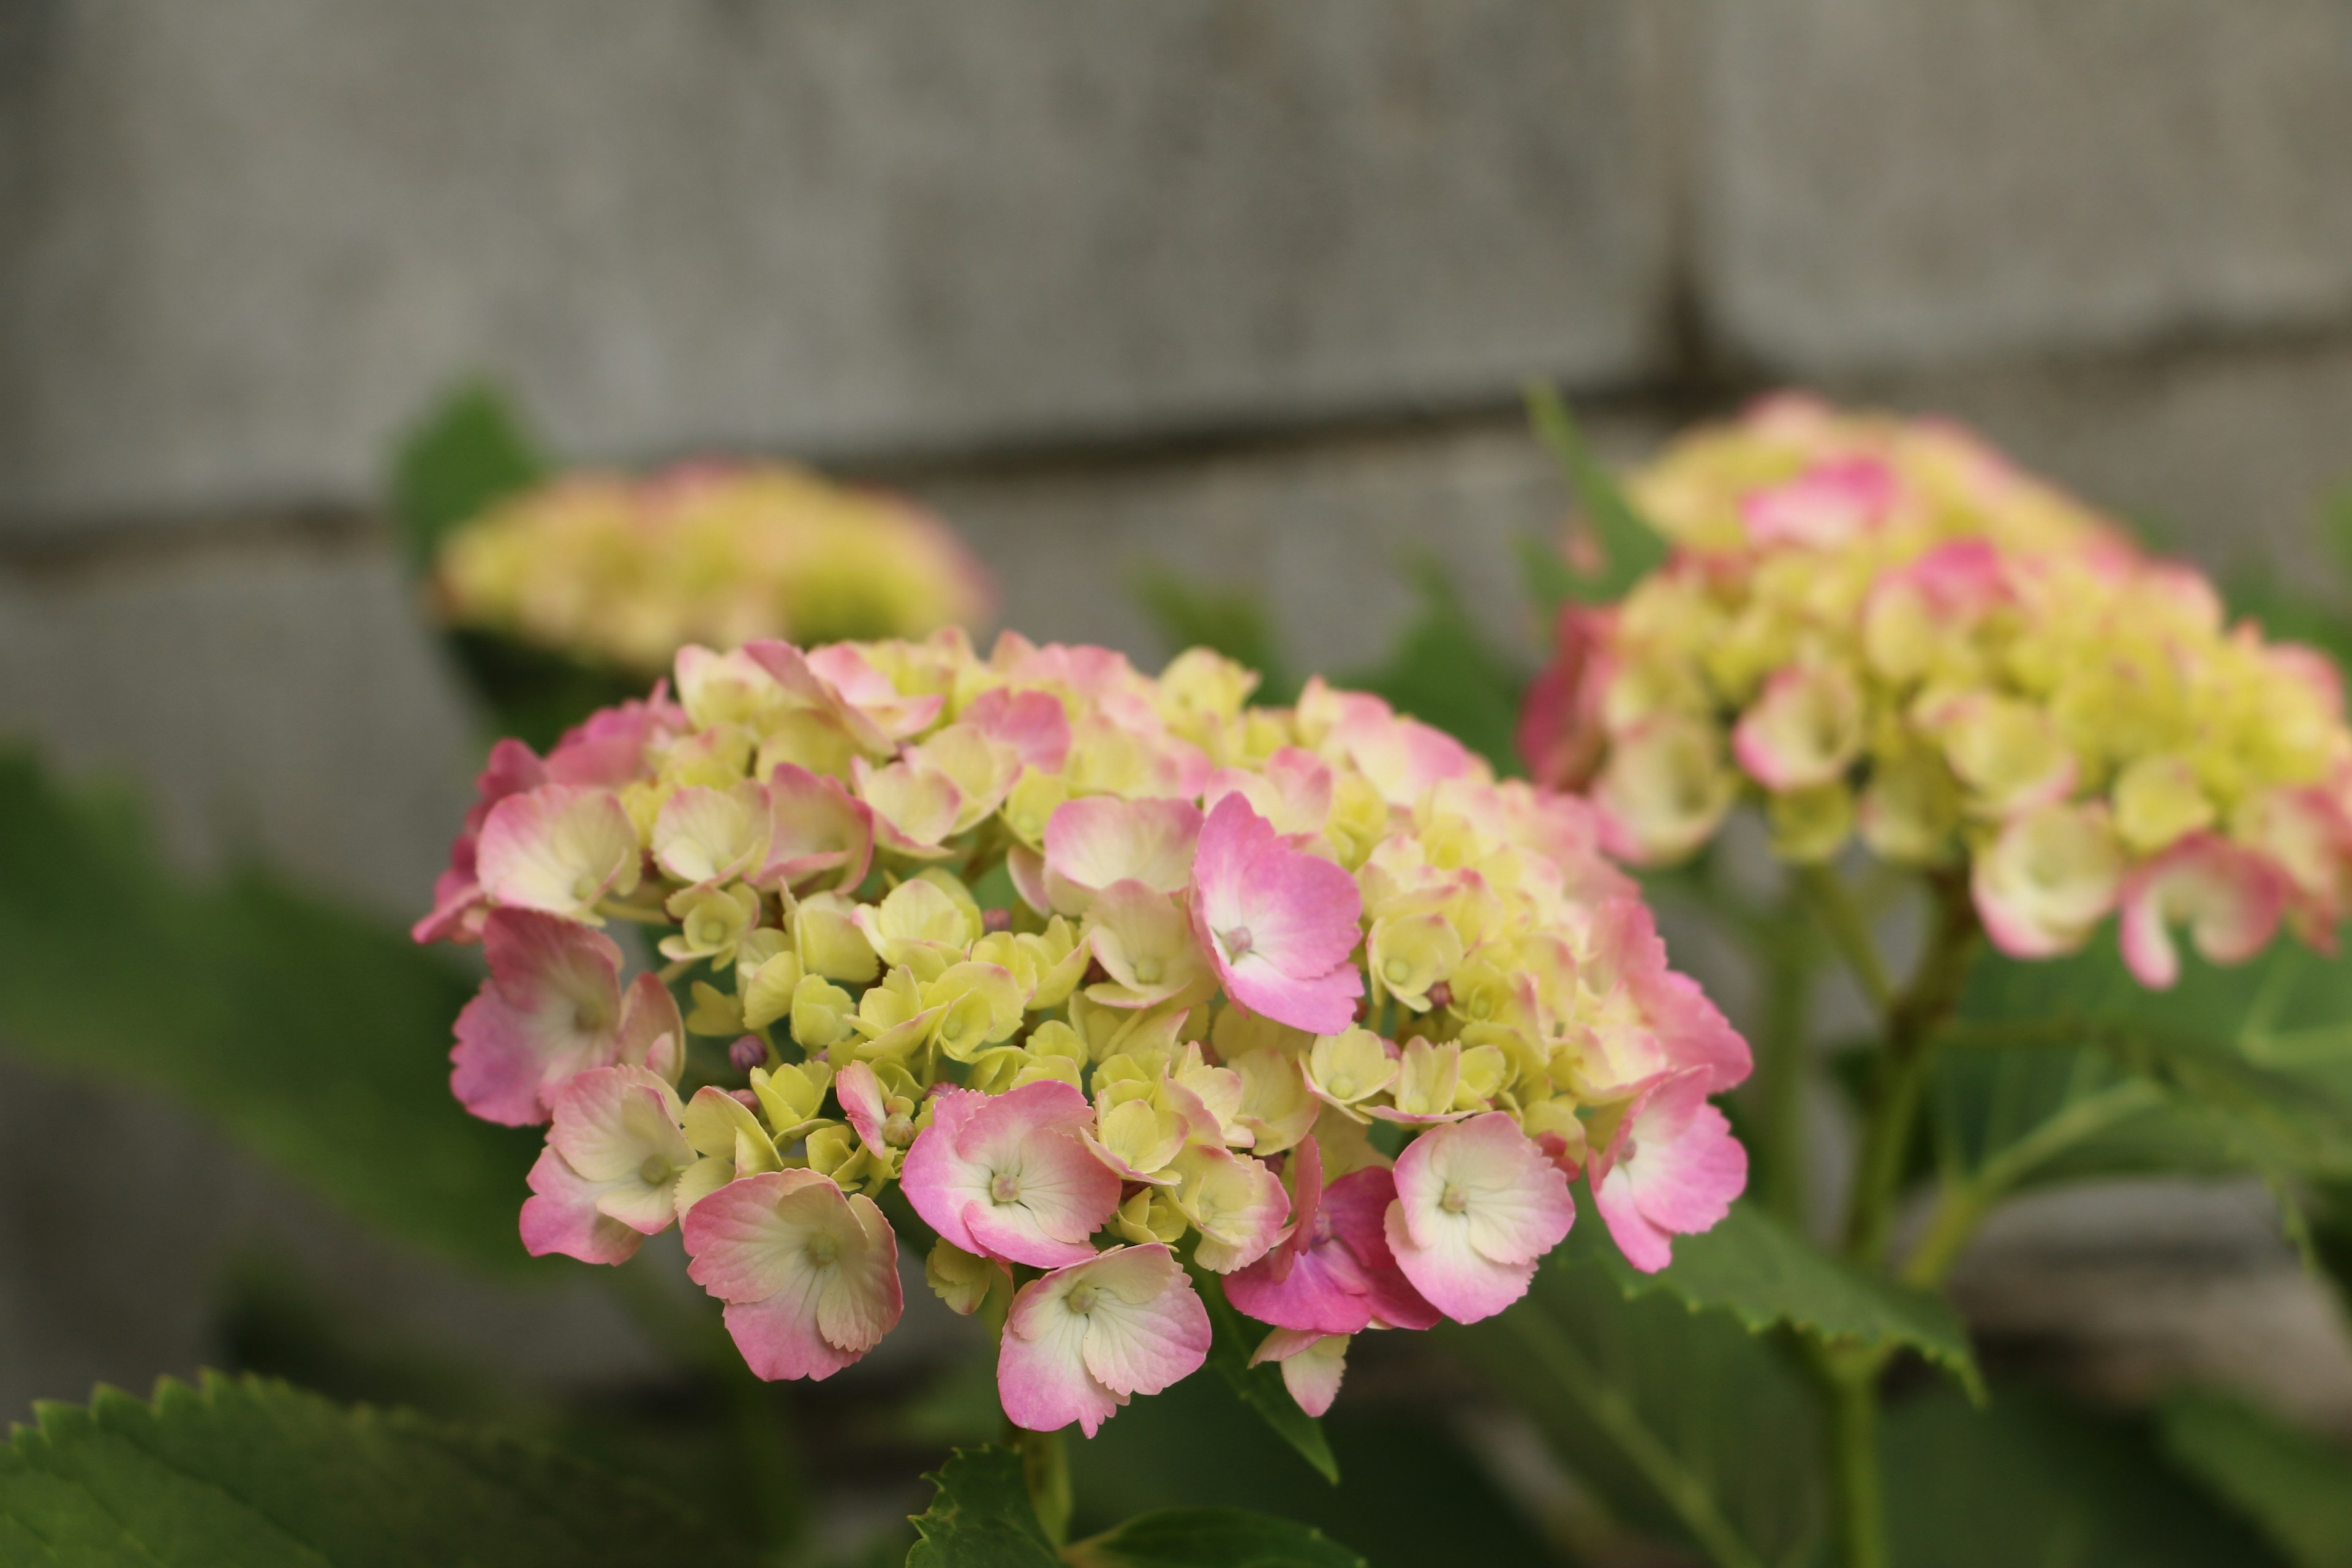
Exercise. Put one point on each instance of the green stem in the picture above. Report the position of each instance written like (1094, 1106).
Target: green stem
(1913, 1020)
(1843, 919)
(1962, 1205)
(1855, 1486)
(1850, 1378)
(1614, 1414)
(1046, 1466)
(1781, 1074)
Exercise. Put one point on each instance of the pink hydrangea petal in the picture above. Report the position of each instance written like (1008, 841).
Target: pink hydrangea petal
(789, 669)
(1033, 724)
(872, 694)
(1325, 1005)
(1357, 1203)
(558, 848)
(1312, 1365)
(1672, 1168)
(1042, 1378)
(561, 1217)
(1824, 507)
(1776, 739)
(1027, 870)
(1646, 1246)
(792, 1316)
(652, 1035)
(459, 905)
(608, 1121)
(1142, 1329)
(1305, 1172)
(1694, 1032)
(2231, 899)
(1519, 1206)
(1096, 840)
(860, 1093)
(1324, 1290)
(815, 828)
(1451, 1274)
(549, 1009)
(608, 749)
(512, 768)
(1031, 1136)
(1148, 1328)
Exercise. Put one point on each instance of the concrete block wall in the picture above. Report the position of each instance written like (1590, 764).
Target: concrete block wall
(1244, 289)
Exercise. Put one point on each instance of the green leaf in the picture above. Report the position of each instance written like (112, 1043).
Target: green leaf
(1211, 1538)
(981, 1516)
(470, 451)
(1544, 571)
(316, 1037)
(1231, 621)
(1630, 548)
(1443, 673)
(1684, 1422)
(1260, 1387)
(2295, 1488)
(2029, 1480)
(1765, 1275)
(2081, 1071)
(245, 1473)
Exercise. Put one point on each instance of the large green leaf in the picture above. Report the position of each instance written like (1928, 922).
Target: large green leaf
(1684, 1422)
(1765, 1275)
(2069, 1069)
(1443, 672)
(1260, 1387)
(1193, 1444)
(2031, 1480)
(469, 452)
(1211, 1538)
(981, 1516)
(1628, 548)
(2295, 1488)
(252, 1474)
(316, 1038)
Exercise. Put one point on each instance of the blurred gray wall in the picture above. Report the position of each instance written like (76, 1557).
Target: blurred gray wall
(1244, 289)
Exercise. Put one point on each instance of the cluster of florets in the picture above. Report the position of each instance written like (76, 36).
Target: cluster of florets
(1879, 627)
(624, 571)
(1122, 984)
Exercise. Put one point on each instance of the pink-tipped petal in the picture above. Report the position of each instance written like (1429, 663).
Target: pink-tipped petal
(1278, 923)
(1478, 1204)
(810, 1276)
(818, 829)
(1312, 1365)
(1012, 1176)
(1672, 1168)
(860, 1093)
(551, 1009)
(562, 1216)
(1033, 724)
(1824, 507)
(2230, 898)
(1082, 1339)
(1099, 839)
(558, 849)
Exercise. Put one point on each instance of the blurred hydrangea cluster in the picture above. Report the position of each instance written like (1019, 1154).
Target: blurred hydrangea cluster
(624, 571)
(1128, 987)
(1880, 627)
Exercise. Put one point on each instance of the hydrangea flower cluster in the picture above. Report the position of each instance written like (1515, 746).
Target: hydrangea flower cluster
(1880, 627)
(624, 571)
(1121, 983)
